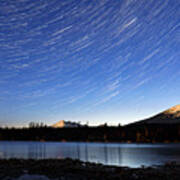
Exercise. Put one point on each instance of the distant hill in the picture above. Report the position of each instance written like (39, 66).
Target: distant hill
(170, 116)
(65, 124)
(161, 128)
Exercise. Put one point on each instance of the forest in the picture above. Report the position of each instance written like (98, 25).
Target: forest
(131, 133)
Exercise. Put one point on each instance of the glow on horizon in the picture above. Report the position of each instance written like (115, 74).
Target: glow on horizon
(98, 62)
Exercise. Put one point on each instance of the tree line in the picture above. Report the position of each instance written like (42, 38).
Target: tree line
(132, 133)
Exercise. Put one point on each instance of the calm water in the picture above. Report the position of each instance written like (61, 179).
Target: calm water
(132, 155)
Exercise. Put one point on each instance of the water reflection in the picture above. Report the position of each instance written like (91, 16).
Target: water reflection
(36, 151)
(107, 153)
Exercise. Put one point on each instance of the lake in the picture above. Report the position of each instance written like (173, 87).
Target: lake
(119, 154)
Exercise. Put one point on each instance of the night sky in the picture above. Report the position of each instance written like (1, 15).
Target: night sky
(96, 61)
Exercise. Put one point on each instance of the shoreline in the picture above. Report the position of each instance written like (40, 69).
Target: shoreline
(103, 142)
(69, 169)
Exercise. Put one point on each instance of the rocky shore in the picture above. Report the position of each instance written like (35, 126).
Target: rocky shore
(68, 169)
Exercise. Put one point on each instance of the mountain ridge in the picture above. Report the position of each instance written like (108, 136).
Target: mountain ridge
(65, 124)
(169, 116)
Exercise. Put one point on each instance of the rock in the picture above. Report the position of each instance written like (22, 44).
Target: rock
(33, 177)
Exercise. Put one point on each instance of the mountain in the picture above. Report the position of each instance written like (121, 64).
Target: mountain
(59, 124)
(65, 124)
(170, 116)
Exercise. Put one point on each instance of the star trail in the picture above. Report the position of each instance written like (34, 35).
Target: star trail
(113, 61)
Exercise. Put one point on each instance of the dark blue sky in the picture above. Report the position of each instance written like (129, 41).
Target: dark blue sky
(113, 61)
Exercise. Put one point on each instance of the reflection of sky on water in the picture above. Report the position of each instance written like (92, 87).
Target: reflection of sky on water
(107, 153)
(1, 154)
